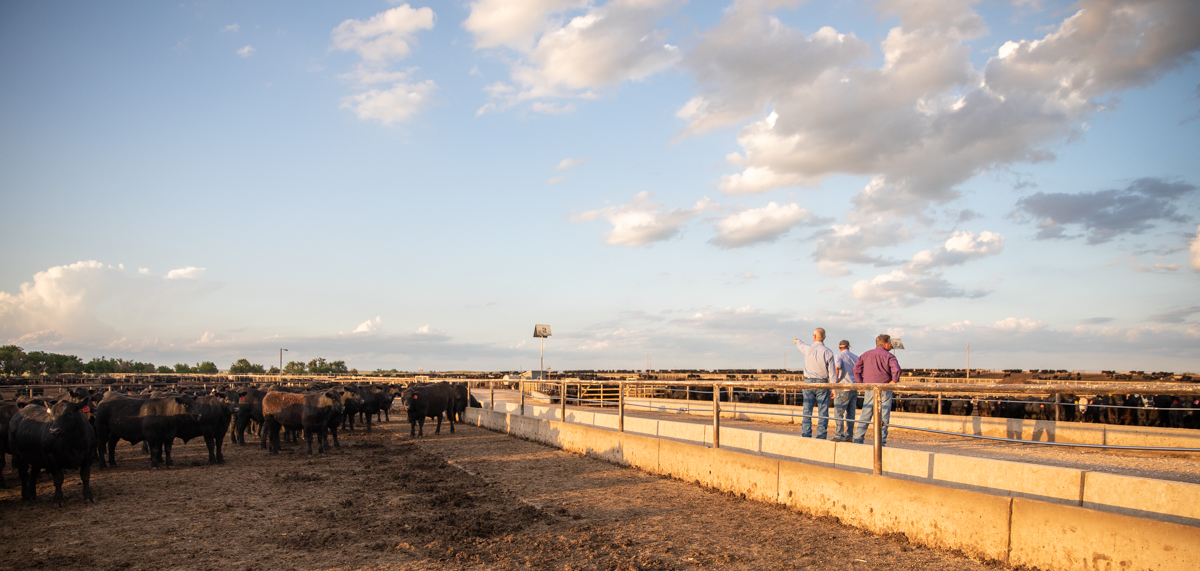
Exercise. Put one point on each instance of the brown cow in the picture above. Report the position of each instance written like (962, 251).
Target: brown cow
(310, 412)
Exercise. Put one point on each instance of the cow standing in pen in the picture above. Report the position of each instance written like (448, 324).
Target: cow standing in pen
(310, 412)
(155, 420)
(52, 439)
(430, 401)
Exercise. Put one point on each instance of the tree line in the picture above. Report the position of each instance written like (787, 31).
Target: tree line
(14, 361)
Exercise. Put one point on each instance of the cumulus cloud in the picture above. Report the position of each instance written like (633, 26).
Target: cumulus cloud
(1021, 325)
(397, 104)
(1106, 214)
(847, 243)
(919, 279)
(246, 51)
(370, 326)
(570, 49)
(386, 36)
(1195, 251)
(232, 28)
(925, 119)
(642, 222)
(756, 225)
(65, 304)
(379, 41)
(960, 248)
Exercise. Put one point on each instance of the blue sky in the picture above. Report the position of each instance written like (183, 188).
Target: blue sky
(416, 185)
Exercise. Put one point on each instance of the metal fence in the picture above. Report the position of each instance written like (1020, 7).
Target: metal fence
(562, 393)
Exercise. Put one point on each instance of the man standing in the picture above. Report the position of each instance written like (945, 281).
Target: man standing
(876, 366)
(818, 368)
(845, 400)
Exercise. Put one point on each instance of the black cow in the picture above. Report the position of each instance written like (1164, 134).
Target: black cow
(249, 409)
(462, 397)
(351, 402)
(429, 401)
(374, 401)
(211, 424)
(153, 420)
(309, 412)
(7, 410)
(52, 439)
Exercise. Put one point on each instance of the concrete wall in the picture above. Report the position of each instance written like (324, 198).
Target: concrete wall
(1013, 530)
(1031, 430)
(1152, 499)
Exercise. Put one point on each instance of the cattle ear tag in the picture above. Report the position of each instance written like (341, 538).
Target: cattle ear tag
(415, 397)
(85, 409)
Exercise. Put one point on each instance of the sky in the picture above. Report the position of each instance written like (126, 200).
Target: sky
(679, 184)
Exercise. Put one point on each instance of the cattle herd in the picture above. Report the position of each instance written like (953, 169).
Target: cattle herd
(1164, 411)
(82, 427)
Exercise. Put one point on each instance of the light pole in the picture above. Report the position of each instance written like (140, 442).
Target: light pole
(281, 350)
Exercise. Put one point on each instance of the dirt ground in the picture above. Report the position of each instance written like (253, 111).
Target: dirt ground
(475, 499)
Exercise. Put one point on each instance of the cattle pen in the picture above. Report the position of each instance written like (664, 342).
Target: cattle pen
(1014, 512)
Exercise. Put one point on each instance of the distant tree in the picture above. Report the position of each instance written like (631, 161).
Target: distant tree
(165, 369)
(207, 368)
(12, 360)
(244, 367)
(338, 367)
(183, 368)
(40, 363)
(318, 366)
(294, 368)
(353, 371)
(273, 370)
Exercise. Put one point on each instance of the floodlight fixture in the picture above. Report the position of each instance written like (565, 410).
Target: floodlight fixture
(541, 331)
(897, 343)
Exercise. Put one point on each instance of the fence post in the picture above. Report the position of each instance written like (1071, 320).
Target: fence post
(939, 403)
(1057, 400)
(716, 415)
(621, 407)
(878, 433)
(562, 402)
(492, 395)
(521, 389)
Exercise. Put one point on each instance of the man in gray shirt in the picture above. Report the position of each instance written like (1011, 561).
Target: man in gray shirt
(819, 367)
(846, 400)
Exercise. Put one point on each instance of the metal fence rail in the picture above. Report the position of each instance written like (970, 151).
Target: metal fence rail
(714, 391)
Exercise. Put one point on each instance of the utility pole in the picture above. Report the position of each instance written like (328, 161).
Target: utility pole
(281, 350)
(968, 361)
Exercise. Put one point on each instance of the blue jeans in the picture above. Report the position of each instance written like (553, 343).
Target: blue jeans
(844, 407)
(821, 398)
(868, 411)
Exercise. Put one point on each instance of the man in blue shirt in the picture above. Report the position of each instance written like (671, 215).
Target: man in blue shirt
(845, 402)
(818, 368)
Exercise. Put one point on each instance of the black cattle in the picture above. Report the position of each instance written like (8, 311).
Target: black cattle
(211, 425)
(309, 412)
(55, 439)
(7, 410)
(462, 397)
(374, 400)
(430, 401)
(155, 421)
(351, 402)
(249, 409)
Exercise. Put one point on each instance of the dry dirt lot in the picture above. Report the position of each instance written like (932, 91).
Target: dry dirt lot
(475, 499)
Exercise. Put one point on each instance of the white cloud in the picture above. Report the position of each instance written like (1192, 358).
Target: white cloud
(188, 273)
(370, 326)
(570, 162)
(755, 225)
(555, 179)
(557, 57)
(926, 119)
(515, 23)
(960, 248)
(845, 243)
(246, 51)
(232, 28)
(1195, 251)
(65, 304)
(396, 105)
(917, 281)
(386, 36)
(424, 330)
(380, 40)
(641, 222)
(1015, 325)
